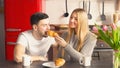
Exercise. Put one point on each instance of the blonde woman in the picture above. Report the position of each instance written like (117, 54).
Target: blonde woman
(78, 42)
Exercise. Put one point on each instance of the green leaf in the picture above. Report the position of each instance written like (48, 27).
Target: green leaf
(110, 37)
(105, 37)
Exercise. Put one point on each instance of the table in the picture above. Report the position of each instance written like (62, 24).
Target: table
(95, 64)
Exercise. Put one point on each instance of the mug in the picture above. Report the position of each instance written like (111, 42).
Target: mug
(26, 60)
(86, 61)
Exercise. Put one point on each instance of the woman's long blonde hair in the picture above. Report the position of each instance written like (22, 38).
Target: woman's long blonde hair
(82, 28)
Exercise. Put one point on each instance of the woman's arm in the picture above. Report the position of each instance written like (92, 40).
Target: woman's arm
(68, 48)
(73, 53)
(89, 46)
(87, 49)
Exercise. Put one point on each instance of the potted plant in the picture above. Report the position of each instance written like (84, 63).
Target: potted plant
(111, 37)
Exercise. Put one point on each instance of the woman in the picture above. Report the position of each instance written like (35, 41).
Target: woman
(79, 41)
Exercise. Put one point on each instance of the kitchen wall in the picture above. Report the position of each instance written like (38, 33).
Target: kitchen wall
(56, 8)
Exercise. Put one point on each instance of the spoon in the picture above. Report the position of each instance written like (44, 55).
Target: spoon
(89, 15)
(103, 17)
(66, 14)
(83, 4)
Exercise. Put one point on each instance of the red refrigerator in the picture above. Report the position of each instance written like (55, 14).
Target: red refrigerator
(17, 19)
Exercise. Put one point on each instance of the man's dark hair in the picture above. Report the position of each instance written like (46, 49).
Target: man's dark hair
(35, 18)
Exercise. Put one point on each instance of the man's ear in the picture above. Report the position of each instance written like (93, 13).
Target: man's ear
(34, 27)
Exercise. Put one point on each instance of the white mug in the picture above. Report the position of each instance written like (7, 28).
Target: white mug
(26, 60)
(86, 61)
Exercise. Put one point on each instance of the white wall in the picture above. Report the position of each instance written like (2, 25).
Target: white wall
(56, 8)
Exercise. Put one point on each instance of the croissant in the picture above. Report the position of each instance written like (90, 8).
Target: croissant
(52, 33)
(59, 62)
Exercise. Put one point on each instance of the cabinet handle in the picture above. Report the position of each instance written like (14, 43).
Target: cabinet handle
(11, 43)
(101, 45)
(12, 29)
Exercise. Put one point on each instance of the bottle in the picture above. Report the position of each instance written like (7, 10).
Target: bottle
(116, 17)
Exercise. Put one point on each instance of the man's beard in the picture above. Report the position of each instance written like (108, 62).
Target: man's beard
(45, 35)
(42, 34)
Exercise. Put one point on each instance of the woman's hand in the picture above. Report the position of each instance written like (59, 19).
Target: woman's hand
(60, 41)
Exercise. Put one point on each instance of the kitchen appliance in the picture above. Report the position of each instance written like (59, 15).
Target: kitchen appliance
(17, 19)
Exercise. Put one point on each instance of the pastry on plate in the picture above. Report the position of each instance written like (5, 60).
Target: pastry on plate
(59, 62)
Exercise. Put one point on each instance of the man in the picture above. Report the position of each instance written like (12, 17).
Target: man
(34, 43)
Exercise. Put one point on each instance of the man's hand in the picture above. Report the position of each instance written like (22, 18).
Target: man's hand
(38, 58)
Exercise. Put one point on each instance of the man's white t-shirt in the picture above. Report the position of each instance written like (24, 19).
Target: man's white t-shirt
(33, 46)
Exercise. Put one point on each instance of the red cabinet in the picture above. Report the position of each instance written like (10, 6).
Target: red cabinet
(17, 19)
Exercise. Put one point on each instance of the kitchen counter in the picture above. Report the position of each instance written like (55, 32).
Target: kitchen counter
(95, 64)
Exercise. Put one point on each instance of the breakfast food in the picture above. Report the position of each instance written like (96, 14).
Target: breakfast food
(59, 62)
(52, 33)
(55, 34)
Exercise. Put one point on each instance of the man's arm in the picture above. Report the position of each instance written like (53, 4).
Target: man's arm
(19, 51)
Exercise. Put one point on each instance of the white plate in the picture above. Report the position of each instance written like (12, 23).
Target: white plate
(50, 64)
